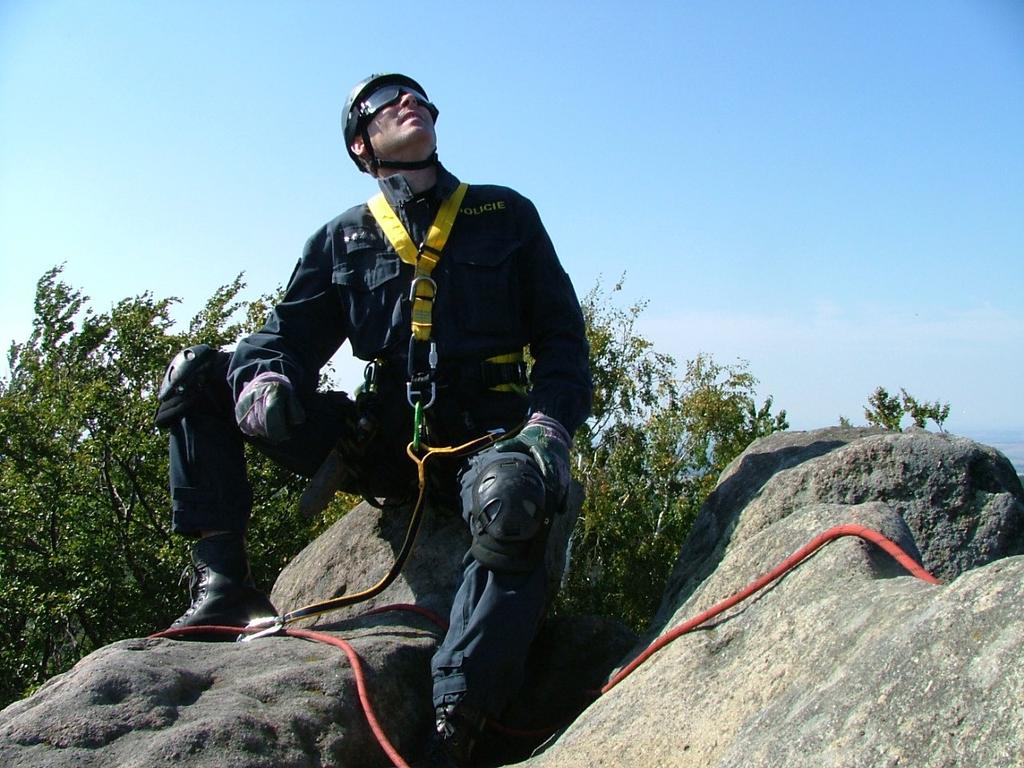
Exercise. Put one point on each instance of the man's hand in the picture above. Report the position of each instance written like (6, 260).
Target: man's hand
(547, 442)
(268, 408)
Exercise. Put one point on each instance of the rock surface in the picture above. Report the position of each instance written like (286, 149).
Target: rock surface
(273, 702)
(358, 550)
(846, 661)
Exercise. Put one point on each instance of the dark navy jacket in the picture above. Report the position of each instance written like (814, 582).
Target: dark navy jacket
(500, 288)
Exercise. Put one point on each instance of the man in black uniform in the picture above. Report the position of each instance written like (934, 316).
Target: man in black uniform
(440, 286)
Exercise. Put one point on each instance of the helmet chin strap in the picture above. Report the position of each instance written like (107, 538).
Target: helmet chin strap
(377, 163)
(402, 165)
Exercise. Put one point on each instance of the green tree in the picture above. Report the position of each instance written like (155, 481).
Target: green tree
(648, 458)
(88, 557)
(885, 410)
(920, 412)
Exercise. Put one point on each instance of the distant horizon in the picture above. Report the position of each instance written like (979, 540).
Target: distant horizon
(1009, 442)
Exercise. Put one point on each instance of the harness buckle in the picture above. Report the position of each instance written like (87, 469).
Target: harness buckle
(370, 376)
(415, 283)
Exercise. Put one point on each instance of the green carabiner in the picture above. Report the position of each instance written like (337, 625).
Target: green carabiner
(417, 425)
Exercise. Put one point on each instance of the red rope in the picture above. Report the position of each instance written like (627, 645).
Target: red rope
(353, 658)
(780, 570)
(364, 697)
(688, 626)
(204, 629)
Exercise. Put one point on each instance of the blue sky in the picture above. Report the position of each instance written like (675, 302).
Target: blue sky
(832, 191)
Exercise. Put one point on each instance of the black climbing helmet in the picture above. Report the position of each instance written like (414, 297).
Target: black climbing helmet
(366, 98)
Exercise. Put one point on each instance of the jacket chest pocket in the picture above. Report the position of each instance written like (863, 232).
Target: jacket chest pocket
(487, 286)
(368, 280)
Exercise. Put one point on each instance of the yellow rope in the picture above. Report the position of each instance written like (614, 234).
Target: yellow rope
(317, 609)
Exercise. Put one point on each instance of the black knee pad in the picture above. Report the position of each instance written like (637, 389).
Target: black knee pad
(505, 498)
(195, 379)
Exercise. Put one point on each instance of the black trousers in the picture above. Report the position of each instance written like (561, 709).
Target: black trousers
(495, 616)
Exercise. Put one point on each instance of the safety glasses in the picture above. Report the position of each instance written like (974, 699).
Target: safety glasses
(390, 94)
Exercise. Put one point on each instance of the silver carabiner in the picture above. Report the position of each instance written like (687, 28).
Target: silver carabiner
(412, 402)
(422, 279)
(272, 625)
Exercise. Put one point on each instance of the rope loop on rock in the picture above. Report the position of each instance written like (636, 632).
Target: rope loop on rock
(791, 562)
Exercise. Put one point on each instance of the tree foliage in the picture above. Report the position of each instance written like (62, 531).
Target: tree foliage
(88, 557)
(648, 457)
(886, 410)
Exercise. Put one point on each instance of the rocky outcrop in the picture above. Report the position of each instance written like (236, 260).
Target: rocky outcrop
(287, 702)
(846, 661)
(273, 702)
(961, 500)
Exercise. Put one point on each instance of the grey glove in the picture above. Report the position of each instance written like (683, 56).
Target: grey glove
(268, 408)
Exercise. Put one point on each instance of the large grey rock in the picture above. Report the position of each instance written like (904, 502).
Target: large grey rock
(274, 702)
(842, 664)
(846, 661)
(962, 501)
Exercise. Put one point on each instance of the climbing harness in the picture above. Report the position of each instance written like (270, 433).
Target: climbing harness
(503, 373)
(787, 565)
(421, 387)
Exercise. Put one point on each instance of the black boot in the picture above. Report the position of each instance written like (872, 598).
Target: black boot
(457, 730)
(222, 588)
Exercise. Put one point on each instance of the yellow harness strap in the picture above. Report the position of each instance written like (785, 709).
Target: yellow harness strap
(511, 358)
(424, 258)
